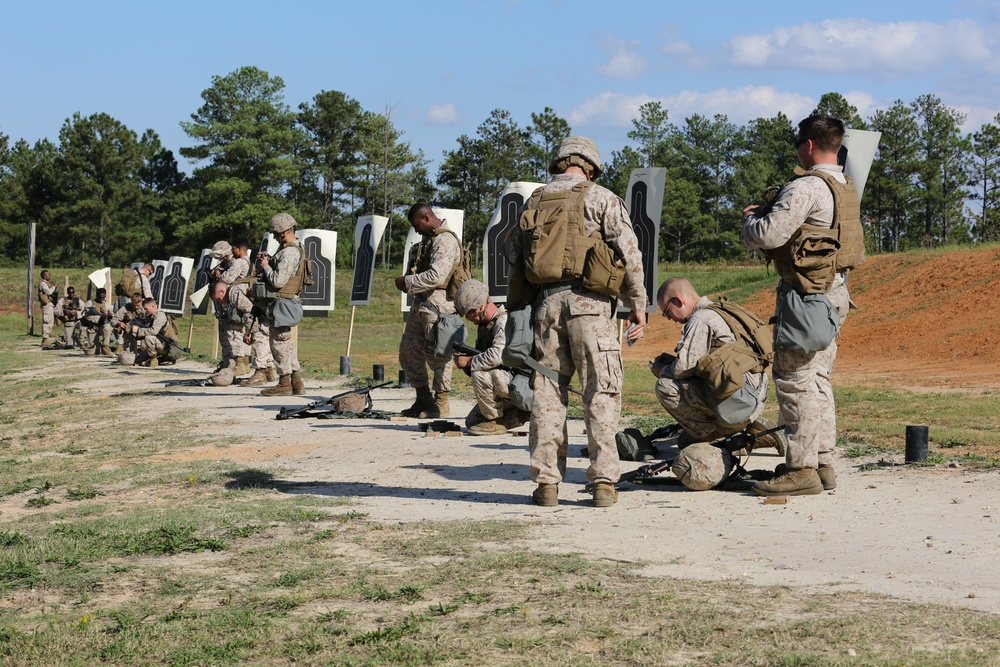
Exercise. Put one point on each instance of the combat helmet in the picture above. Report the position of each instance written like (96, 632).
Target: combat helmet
(282, 222)
(221, 249)
(702, 466)
(471, 295)
(580, 146)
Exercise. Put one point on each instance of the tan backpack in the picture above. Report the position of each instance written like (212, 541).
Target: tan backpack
(556, 248)
(724, 368)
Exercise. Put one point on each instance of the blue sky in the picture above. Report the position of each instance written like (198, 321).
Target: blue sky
(443, 66)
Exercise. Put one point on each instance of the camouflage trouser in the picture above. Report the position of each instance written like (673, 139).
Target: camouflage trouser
(48, 319)
(805, 397)
(153, 346)
(102, 333)
(234, 338)
(71, 329)
(688, 403)
(574, 332)
(283, 349)
(261, 344)
(414, 357)
(491, 388)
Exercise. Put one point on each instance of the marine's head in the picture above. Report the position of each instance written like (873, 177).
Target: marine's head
(577, 151)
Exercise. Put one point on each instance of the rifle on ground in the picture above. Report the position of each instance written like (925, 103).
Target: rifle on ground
(471, 352)
(732, 443)
(286, 413)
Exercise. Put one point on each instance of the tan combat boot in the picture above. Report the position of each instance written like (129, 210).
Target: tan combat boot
(283, 388)
(424, 403)
(605, 494)
(105, 350)
(259, 377)
(827, 475)
(546, 495)
(804, 482)
(441, 401)
(46, 342)
(153, 362)
(272, 374)
(298, 386)
(488, 427)
(242, 367)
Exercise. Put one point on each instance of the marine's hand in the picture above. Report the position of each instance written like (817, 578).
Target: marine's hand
(463, 360)
(751, 210)
(639, 319)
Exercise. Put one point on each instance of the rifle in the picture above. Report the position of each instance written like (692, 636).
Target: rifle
(174, 349)
(286, 413)
(471, 351)
(732, 443)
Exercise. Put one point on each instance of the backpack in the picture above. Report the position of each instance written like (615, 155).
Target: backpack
(462, 270)
(723, 369)
(126, 284)
(556, 248)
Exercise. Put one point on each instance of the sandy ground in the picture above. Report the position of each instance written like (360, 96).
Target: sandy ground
(928, 534)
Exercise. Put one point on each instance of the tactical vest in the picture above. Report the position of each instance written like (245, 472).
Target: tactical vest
(71, 309)
(555, 245)
(811, 259)
(263, 294)
(460, 272)
(724, 368)
(43, 298)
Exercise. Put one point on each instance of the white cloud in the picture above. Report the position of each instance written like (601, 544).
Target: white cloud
(740, 105)
(443, 114)
(626, 60)
(615, 109)
(859, 45)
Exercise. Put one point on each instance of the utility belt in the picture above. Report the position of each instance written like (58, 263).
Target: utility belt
(549, 289)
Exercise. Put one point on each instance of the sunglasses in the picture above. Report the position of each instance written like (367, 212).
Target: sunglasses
(799, 141)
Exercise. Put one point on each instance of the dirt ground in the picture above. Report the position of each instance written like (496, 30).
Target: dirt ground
(921, 534)
(927, 534)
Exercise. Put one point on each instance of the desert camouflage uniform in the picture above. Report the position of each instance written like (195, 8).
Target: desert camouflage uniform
(686, 397)
(230, 333)
(287, 261)
(128, 316)
(802, 381)
(150, 342)
(491, 383)
(257, 327)
(70, 310)
(418, 335)
(99, 324)
(575, 331)
(48, 288)
(142, 285)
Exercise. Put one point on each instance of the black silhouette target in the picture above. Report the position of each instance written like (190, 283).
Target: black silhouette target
(364, 265)
(645, 234)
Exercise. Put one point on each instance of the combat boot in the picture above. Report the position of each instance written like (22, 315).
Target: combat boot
(605, 494)
(283, 388)
(272, 374)
(827, 475)
(776, 439)
(441, 401)
(424, 403)
(242, 367)
(153, 362)
(298, 386)
(488, 427)
(46, 343)
(105, 350)
(259, 377)
(804, 482)
(546, 495)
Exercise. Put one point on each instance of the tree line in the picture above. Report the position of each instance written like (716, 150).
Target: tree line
(104, 195)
